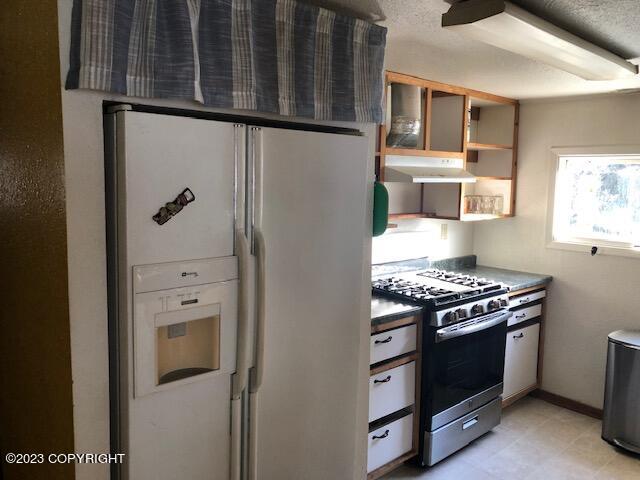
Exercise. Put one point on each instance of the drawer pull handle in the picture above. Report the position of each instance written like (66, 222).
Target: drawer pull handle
(524, 300)
(470, 423)
(384, 435)
(520, 335)
(383, 381)
(521, 315)
(386, 340)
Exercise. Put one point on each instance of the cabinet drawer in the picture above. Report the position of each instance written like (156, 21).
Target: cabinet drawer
(526, 298)
(389, 442)
(521, 360)
(392, 390)
(525, 314)
(392, 343)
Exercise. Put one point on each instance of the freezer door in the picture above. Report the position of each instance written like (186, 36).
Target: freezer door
(179, 412)
(311, 208)
(158, 157)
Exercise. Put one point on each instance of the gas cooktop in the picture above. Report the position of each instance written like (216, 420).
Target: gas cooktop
(435, 287)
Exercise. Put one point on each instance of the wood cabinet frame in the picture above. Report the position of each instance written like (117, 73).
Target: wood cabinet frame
(430, 87)
(416, 357)
(518, 395)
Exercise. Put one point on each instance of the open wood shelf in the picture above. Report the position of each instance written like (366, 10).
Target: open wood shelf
(413, 152)
(487, 146)
(476, 217)
(445, 87)
(446, 129)
(484, 177)
(404, 216)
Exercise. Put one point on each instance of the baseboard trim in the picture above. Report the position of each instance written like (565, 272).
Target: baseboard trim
(567, 403)
(517, 396)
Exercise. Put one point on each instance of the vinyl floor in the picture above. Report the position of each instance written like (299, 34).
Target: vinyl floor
(535, 441)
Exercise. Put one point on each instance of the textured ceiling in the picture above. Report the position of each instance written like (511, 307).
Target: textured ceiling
(416, 44)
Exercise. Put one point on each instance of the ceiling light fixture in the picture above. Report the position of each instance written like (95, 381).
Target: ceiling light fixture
(507, 26)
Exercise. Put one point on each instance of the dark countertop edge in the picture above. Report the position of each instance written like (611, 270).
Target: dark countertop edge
(532, 284)
(525, 280)
(407, 310)
(381, 320)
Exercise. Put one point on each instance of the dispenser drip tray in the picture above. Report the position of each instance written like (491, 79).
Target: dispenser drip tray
(182, 373)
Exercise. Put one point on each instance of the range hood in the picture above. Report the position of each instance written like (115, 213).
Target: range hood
(400, 168)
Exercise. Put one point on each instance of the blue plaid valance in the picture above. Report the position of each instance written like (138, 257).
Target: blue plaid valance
(277, 56)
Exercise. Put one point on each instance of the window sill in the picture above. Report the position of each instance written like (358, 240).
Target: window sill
(602, 249)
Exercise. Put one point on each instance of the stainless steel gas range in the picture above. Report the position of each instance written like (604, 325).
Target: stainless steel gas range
(463, 355)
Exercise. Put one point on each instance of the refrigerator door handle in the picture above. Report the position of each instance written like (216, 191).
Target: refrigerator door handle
(257, 371)
(240, 188)
(254, 183)
(255, 215)
(240, 378)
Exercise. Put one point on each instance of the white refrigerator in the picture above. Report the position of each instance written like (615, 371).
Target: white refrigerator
(238, 286)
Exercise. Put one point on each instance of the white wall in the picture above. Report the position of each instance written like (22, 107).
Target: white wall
(418, 238)
(84, 176)
(589, 296)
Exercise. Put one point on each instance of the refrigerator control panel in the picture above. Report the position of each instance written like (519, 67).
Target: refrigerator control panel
(162, 276)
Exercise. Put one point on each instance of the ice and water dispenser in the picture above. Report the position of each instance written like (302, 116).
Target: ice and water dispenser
(190, 347)
(184, 322)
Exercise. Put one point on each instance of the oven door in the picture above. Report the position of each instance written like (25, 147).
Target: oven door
(466, 366)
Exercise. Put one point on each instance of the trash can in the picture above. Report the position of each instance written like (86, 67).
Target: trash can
(621, 416)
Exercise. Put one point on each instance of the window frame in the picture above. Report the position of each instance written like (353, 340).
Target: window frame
(584, 245)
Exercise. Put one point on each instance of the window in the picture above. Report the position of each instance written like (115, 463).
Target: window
(596, 200)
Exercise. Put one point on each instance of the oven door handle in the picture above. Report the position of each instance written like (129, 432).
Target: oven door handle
(445, 334)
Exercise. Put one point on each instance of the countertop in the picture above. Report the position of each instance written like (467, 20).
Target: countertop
(384, 310)
(513, 279)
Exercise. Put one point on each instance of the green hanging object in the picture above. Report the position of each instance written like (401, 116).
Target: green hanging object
(380, 208)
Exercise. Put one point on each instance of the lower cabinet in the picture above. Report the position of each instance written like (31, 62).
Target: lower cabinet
(525, 337)
(390, 442)
(521, 360)
(393, 395)
(392, 390)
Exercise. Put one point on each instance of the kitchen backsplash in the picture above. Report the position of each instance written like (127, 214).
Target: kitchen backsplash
(418, 238)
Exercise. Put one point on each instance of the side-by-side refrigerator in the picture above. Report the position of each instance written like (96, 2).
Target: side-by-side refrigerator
(237, 260)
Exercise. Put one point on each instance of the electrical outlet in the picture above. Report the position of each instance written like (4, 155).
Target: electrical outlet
(444, 231)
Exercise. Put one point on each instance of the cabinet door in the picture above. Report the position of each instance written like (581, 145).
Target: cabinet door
(390, 442)
(392, 390)
(521, 360)
(524, 314)
(392, 343)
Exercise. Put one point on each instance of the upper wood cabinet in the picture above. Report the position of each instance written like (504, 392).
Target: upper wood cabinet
(432, 119)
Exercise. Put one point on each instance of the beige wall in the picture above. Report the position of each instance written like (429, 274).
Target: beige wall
(589, 296)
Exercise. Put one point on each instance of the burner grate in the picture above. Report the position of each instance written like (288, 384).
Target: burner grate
(420, 291)
(412, 289)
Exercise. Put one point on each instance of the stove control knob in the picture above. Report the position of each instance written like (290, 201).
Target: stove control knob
(503, 302)
(462, 313)
(450, 317)
(493, 305)
(476, 309)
